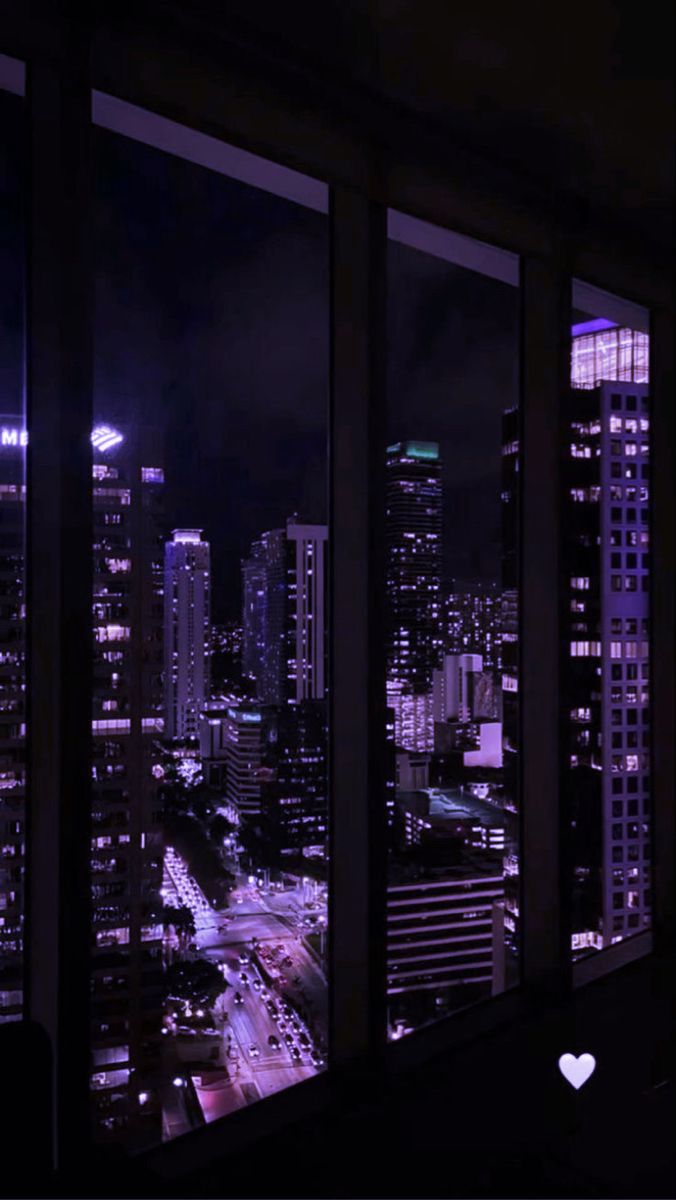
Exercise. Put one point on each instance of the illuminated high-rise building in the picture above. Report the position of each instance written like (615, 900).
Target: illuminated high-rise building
(413, 532)
(253, 611)
(413, 541)
(604, 351)
(472, 622)
(187, 631)
(508, 663)
(284, 613)
(294, 802)
(606, 561)
(13, 440)
(126, 849)
(244, 746)
(126, 862)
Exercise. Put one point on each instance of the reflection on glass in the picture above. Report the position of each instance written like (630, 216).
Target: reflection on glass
(13, 441)
(452, 649)
(209, 794)
(607, 576)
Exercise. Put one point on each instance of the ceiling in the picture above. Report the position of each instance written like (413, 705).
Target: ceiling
(577, 96)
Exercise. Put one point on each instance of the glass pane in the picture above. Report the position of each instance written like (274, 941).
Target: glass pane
(209, 837)
(606, 523)
(13, 440)
(452, 649)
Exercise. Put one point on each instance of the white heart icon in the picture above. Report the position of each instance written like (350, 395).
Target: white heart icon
(577, 1070)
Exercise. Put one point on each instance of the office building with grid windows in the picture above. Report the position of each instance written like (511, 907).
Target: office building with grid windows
(607, 575)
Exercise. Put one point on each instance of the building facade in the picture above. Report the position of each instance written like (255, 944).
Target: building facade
(13, 440)
(444, 933)
(187, 631)
(126, 863)
(607, 669)
(284, 614)
(413, 538)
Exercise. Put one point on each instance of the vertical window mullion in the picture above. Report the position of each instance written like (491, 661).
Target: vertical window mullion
(663, 625)
(59, 371)
(358, 863)
(545, 371)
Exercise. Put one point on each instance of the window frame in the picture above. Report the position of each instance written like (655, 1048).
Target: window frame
(378, 162)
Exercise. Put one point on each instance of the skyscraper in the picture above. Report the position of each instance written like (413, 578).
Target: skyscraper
(12, 712)
(603, 350)
(244, 730)
(606, 561)
(294, 801)
(453, 687)
(253, 611)
(126, 862)
(187, 631)
(284, 613)
(508, 659)
(413, 533)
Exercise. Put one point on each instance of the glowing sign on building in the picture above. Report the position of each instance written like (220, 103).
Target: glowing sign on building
(12, 436)
(428, 450)
(104, 437)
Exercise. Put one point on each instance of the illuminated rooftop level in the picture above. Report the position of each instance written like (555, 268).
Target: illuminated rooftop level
(425, 450)
(187, 535)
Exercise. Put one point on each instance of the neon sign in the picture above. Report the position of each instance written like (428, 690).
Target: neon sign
(13, 437)
(103, 437)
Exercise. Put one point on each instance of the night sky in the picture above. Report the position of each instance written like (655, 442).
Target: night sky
(11, 255)
(212, 310)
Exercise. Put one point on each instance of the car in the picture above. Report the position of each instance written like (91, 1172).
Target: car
(281, 1024)
(286, 1009)
(287, 962)
(283, 979)
(244, 958)
(296, 1026)
(254, 1051)
(256, 985)
(273, 1042)
(238, 998)
(279, 946)
(317, 1058)
(265, 995)
(272, 1008)
(304, 1041)
(288, 1039)
(244, 978)
(295, 1053)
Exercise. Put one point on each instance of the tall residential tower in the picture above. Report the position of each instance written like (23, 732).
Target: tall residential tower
(284, 613)
(187, 631)
(414, 635)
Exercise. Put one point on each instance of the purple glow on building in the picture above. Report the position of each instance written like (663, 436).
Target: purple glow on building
(595, 326)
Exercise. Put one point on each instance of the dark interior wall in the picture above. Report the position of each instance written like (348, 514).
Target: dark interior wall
(492, 1119)
(576, 96)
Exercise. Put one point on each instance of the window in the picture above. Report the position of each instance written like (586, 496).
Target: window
(609, 373)
(452, 477)
(209, 877)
